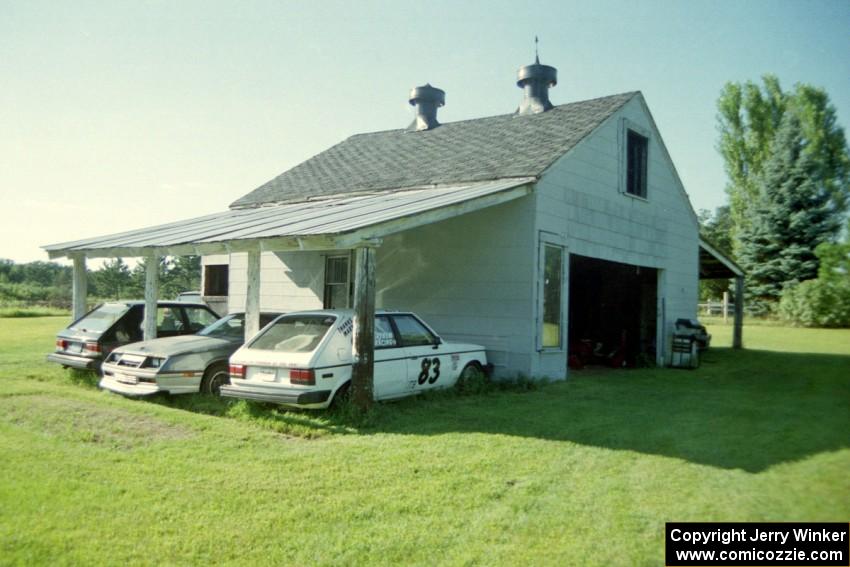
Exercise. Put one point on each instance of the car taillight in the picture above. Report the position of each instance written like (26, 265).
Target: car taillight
(237, 371)
(92, 347)
(303, 377)
(61, 344)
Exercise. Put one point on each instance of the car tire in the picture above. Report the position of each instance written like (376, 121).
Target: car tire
(342, 395)
(472, 378)
(472, 370)
(215, 377)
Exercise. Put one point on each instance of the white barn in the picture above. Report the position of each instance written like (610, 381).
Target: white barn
(525, 232)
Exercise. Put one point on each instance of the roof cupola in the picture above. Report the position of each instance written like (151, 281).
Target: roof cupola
(535, 80)
(427, 100)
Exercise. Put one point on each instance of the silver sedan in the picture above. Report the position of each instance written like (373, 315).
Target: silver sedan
(178, 365)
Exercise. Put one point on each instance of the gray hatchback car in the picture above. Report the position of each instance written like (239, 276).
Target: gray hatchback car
(88, 340)
(178, 365)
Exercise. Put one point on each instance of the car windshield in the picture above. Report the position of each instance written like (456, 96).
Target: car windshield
(101, 318)
(294, 333)
(230, 327)
(233, 326)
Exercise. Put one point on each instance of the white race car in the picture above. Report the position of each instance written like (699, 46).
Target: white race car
(304, 359)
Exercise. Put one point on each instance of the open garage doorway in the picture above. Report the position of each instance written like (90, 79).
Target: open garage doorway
(612, 313)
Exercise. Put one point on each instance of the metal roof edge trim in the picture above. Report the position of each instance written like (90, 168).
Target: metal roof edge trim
(367, 192)
(721, 257)
(126, 244)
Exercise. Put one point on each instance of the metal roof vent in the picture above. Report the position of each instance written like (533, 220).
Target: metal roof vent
(427, 100)
(535, 80)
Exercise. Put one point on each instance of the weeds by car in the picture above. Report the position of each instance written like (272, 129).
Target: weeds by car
(178, 365)
(304, 359)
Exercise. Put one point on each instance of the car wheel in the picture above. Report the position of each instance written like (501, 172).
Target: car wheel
(471, 371)
(215, 377)
(472, 378)
(342, 395)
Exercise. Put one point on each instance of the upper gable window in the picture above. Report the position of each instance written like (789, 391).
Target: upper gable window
(637, 148)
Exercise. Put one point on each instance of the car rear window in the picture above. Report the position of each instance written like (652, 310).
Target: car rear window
(294, 333)
(101, 318)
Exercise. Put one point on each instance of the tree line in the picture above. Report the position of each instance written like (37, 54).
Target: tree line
(49, 283)
(785, 222)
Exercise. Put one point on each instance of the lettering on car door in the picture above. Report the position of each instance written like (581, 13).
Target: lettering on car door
(390, 363)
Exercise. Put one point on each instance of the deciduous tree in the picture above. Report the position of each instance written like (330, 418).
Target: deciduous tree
(749, 117)
(113, 280)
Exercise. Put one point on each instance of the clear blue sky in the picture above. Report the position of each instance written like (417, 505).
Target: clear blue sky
(117, 115)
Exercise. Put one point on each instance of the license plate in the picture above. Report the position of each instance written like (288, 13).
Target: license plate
(264, 374)
(75, 347)
(124, 379)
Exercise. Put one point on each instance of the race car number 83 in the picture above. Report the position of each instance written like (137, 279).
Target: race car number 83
(430, 370)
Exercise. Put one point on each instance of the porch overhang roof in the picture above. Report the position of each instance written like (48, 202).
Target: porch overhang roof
(713, 264)
(337, 222)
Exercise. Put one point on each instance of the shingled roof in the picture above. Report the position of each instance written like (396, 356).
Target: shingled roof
(495, 147)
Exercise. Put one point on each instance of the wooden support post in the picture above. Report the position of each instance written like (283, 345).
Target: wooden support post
(364, 329)
(80, 288)
(151, 296)
(252, 297)
(661, 318)
(737, 334)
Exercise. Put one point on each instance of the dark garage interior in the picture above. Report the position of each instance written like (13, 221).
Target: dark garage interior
(612, 314)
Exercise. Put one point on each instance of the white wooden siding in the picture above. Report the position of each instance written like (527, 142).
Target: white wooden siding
(289, 281)
(580, 197)
(471, 278)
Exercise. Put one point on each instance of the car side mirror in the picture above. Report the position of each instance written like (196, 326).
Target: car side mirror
(437, 342)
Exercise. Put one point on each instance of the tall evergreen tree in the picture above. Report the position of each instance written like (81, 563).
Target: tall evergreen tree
(749, 117)
(791, 217)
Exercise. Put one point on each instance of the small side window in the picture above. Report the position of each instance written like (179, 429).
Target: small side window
(384, 334)
(553, 269)
(168, 320)
(338, 286)
(216, 279)
(412, 332)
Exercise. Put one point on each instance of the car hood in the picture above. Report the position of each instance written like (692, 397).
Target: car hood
(171, 346)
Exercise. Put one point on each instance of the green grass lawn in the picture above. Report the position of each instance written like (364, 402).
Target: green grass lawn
(583, 472)
(25, 311)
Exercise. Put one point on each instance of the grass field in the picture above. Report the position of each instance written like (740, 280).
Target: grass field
(583, 472)
(12, 311)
